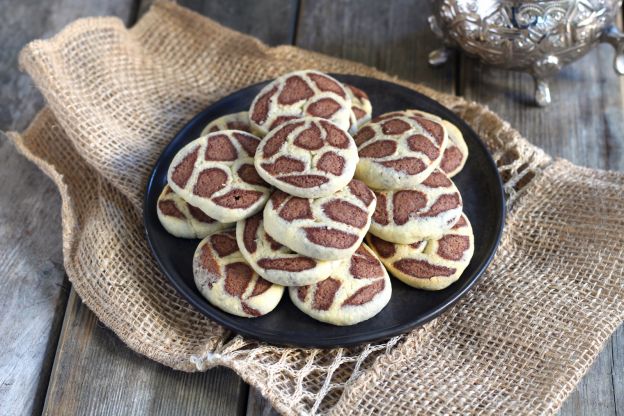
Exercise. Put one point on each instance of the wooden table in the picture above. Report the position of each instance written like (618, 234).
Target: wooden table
(56, 356)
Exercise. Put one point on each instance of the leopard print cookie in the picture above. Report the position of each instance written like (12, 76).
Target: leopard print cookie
(361, 108)
(328, 228)
(216, 174)
(428, 264)
(309, 158)
(456, 151)
(399, 150)
(226, 280)
(300, 94)
(234, 121)
(184, 220)
(422, 211)
(358, 289)
(275, 262)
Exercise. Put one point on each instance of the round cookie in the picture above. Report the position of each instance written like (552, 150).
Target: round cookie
(358, 289)
(224, 278)
(328, 228)
(300, 94)
(456, 151)
(234, 121)
(184, 220)
(428, 264)
(275, 262)
(422, 211)
(216, 174)
(399, 150)
(309, 158)
(361, 108)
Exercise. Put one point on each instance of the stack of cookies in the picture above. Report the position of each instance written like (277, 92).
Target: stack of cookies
(284, 195)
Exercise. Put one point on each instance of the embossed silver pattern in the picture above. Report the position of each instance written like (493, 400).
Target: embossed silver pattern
(536, 36)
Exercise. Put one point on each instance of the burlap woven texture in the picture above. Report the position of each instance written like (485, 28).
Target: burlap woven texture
(518, 343)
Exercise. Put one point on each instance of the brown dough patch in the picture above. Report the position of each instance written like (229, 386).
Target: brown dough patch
(295, 89)
(200, 215)
(332, 163)
(409, 165)
(442, 204)
(208, 263)
(453, 247)
(325, 84)
(364, 265)
(279, 120)
(330, 237)
(284, 164)
(238, 125)
(433, 128)
(359, 94)
(250, 232)
(260, 111)
(237, 278)
(296, 209)
(361, 191)
(272, 243)
(210, 181)
(451, 159)
(405, 203)
(437, 179)
(395, 126)
(380, 216)
(238, 199)
(358, 112)
(277, 139)
(422, 269)
(247, 142)
(277, 198)
(224, 243)
(304, 181)
(310, 138)
(169, 208)
(184, 170)
(302, 292)
(335, 136)
(325, 293)
(365, 294)
(293, 264)
(324, 108)
(249, 310)
(460, 223)
(379, 149)
(260, 287)
(419, 143)
(384, 248)
(346, 213)
(249, 175)
(220, 148)
(364, 134)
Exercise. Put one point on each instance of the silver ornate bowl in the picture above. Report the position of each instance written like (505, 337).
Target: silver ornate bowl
(536, 36)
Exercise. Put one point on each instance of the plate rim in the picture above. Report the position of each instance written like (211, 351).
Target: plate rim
(226, 320)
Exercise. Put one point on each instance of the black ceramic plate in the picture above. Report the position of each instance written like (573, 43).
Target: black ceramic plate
(480, 186)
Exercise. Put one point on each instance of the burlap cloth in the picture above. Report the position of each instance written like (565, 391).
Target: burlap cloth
(518, 343)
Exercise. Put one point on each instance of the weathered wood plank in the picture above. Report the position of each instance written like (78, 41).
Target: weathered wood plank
(95, 373)
(362, 34)
(583, 124)
(33, 288)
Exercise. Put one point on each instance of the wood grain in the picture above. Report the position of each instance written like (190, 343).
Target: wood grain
(33, 288)
(585, 124)
(95, 373)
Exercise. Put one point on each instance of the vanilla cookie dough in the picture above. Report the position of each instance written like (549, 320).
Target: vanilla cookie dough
(275, 262)
(216, 174)
(226, 280)
(309, 158)
(361, 108)
(184, 220)
(300, 94)
(327, 228)
(358, 289)
(423, 211)
(234, 121)
(399, 150)
(428, 264)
